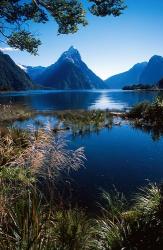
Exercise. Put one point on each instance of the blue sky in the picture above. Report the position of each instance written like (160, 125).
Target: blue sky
(108, 45)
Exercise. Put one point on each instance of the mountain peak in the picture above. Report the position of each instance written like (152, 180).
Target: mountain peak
(69, 72)
(139, 65)
(153, 71)
(72, 49)
(71, 55)
(156, 58)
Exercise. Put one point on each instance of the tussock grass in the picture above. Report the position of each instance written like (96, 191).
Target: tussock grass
(114, 203)
(31, 225)
(10, 113)
(12, 142)
(72, 229)
(138, 227)
(147, 201)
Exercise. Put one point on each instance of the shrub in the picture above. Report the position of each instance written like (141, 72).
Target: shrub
(138, 110)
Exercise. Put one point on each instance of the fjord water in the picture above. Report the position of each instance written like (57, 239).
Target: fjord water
(62, 100)
(122, 156)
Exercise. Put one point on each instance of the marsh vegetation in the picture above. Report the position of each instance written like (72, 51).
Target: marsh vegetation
(82, 122)
(34, 214)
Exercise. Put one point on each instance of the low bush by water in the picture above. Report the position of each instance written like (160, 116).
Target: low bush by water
(148, 112)
(148, 117)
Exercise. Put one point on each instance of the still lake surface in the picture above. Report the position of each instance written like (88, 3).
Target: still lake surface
(77, 99)
(122, 156)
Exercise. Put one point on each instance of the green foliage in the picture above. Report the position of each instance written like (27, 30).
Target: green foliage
(109, 7)
(24, 40)
(69, 14)
(26, 221)
(30, 223)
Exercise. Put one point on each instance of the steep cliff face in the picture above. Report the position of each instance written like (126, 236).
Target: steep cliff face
(153, 72)
(12, 77)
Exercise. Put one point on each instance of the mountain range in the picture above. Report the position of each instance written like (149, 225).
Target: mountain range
(12, 77)
(69, 72)
(142, 73)
(33, 72)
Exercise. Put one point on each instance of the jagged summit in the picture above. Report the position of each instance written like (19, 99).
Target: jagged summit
(71, 55)
(72, 50)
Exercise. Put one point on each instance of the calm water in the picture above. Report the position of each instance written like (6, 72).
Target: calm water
(61, 100)
(122, 156)
(125, 157)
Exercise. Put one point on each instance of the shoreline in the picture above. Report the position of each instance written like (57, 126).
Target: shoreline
(69, 90)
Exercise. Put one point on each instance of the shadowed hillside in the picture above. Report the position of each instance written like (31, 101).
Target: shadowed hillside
(12, 77)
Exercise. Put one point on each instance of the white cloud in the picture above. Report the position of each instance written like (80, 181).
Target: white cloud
(7, 49)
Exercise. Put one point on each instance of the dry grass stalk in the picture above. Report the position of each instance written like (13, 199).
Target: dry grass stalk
(46, 155)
